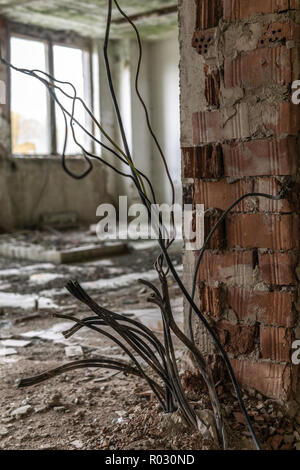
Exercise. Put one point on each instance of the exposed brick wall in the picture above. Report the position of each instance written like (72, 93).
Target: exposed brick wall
(239, 135)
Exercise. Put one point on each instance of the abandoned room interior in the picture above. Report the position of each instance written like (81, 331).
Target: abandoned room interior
(149, 230)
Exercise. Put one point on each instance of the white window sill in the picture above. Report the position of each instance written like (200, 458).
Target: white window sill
(46, 157)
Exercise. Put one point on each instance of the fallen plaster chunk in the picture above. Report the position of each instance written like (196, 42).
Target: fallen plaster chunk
(152, 318)
(72, 255)
(22, 411)
(9, 359)
(74, 351)
(9, 272)
(173, 423)
(25, 269)
(77, 444)
(113, 283)
(43, 278)
(120, 281)
(100, 262)
(25, 302)
(59, 409)
(52, 334)
(206, 425)
(7, 352)
(3, 431)
(41, 408)
(15, 343)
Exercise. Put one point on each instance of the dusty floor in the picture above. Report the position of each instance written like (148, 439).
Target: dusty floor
(95, 409)
(68, 412)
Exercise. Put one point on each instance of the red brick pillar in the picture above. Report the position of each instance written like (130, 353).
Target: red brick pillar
(239, 135)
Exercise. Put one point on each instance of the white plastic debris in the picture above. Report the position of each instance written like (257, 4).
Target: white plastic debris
(7, 352)
(25, 302)
(3, 431)
(77, 444)
(14, 343)
(22, 411)
(44, 278)
(74, 351)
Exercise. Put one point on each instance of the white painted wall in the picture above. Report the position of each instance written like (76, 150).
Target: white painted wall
(141, 139)
(164, 100)
(159, 87)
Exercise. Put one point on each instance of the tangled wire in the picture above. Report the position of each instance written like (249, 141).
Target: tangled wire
(158, 355)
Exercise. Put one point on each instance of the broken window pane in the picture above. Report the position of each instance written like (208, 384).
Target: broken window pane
(70, 65)
(29, 100)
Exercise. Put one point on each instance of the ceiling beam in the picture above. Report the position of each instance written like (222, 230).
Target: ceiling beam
(147, 14)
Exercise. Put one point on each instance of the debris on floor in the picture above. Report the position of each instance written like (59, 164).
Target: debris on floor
(102, 409)
(73, 246)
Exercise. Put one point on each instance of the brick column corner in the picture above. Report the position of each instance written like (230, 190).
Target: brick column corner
(239, 132)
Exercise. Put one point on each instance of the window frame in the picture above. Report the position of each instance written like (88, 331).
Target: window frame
(52, 38)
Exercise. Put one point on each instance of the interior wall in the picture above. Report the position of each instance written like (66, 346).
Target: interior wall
(159, 87)
(164, 93)
(141, 139)
(240, 135)
(31, 186)
(35, 186)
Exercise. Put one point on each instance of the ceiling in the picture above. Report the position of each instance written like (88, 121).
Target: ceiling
(88, 17)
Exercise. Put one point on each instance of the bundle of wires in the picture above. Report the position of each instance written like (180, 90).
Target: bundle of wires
(141, 181)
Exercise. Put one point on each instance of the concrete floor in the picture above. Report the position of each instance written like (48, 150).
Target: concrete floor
(31, 342)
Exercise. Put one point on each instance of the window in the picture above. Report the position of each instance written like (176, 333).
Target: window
(69, 66)
(29, 101)
(38, 126)
(125, 102)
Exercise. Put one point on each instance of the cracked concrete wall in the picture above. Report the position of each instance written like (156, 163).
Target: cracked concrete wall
(239, 134)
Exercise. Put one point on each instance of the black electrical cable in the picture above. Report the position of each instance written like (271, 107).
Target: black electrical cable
(210, 235)
(50, 87)
(115, 102)
(110, 81)
(160, 241)
(150, 129)
(181, 285)
(73, 289)
(90, 135)
(116, 105)
(140, 58)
